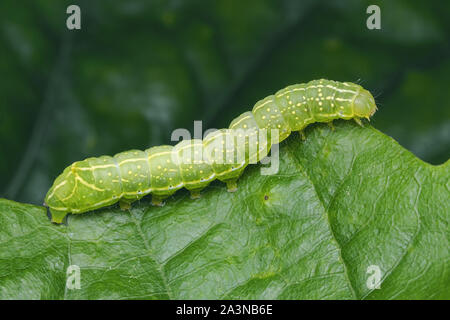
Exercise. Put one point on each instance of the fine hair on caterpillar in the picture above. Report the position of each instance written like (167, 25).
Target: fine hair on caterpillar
(221, 154)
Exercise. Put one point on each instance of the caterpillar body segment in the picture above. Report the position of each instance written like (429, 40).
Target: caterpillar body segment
(226, 160)
(128, 176)
(269, 115)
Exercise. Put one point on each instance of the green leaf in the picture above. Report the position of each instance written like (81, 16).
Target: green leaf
(342, 201)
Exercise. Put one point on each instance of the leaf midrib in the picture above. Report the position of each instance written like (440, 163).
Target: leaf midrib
(327, 216)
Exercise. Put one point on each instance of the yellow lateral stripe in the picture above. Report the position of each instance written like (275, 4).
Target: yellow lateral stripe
(95, 205)
(240, 120)
(340, 90)
(168, 188)
(59, 208)
(230, 170)
(262, 105)
(118, 163)
(290, 91)
(131, 160)
(57, 187)
(87, 184)
(94, 167)
(313, 87)
(178, 149)
(159, 154)
(323, 115)
(197, 181)
(222, 134)
(300, 89)
(143, 193)
(75, 187)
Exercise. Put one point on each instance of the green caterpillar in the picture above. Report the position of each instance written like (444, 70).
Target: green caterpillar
(128, 176)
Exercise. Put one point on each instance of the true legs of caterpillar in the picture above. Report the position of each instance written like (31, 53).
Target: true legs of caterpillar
(128, 176)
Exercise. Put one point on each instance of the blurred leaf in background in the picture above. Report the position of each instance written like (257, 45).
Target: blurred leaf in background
(139, 69)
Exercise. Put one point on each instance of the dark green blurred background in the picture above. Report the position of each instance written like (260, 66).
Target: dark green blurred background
(139, 69)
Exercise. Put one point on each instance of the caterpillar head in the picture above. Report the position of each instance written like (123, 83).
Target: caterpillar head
(364, 104)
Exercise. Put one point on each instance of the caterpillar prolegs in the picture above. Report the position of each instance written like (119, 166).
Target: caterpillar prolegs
(193, 164)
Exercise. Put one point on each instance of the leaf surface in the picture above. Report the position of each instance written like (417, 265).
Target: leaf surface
(341, 202)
